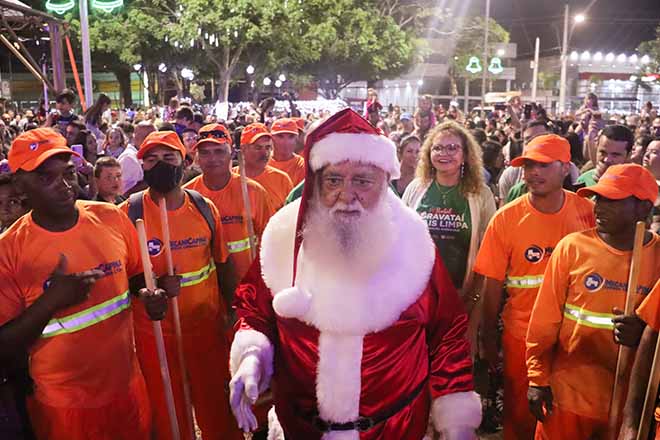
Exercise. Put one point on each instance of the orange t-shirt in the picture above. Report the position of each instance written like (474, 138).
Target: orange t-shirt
(276, 183)
(294, 168)
(69, 367)
(570, 344)
(649, 309)
(229, 201)
(517, 246)
(199, 299)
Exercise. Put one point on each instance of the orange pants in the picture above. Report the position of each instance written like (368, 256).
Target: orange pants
(128, 417)
(207, 360)
(561, 425)
(518, 421)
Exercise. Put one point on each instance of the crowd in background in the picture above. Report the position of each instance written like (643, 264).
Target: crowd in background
(455, 168)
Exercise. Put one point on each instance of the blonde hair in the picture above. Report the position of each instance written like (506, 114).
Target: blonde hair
(472, 179)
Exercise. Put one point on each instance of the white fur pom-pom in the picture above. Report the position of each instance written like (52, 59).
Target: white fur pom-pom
(292, 302)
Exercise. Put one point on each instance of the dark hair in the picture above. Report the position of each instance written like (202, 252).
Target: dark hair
(105, 162)
(479, 135)
(76, 123)
(6, 179)
(66, 95)
(188, 130)
(515, 148)
(184, 113)
(619, 133)
(93, 114)
(174, 101)
(127, 128)
(537, 123)
(576, 148)
(198, 118)
(644, 140)
(166, 126)
(491, 151)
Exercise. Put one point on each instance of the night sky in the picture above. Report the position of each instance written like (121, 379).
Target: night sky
(612, 25)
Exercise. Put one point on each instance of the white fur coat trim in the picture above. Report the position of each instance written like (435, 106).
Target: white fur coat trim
(350, 306)
(252, 341)
(456, 410)
(360, 147)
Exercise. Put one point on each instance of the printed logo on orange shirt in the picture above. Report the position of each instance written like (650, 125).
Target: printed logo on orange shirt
(534, 254)
(593, 282)
(155, 247)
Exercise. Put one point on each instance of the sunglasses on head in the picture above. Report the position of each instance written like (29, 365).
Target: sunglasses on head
(217, 134)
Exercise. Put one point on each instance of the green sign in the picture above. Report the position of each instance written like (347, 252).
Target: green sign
(495, 67)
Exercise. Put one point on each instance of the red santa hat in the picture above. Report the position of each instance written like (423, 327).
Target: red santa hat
(344, 136)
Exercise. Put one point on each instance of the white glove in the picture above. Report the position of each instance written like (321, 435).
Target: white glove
(244, 390)
(458, 433)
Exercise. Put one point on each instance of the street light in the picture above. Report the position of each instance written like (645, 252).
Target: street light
(267, 81)
(564, 57)
(278, 83)
(137, 67)
(250, 69)
(282, 77)
(162, 68)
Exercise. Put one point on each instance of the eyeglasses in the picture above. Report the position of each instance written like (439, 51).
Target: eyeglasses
(449, 149)
(217, 134)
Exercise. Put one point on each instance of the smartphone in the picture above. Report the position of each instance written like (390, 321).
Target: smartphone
(527, 110)
(78, 148)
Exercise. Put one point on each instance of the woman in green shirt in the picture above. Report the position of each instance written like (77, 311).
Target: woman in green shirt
(449, 192)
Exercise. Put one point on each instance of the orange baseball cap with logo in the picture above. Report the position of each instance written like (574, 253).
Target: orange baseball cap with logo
(34, 147)
(161, 139)
(545, 149)
(622, 181)
(215, 134)
(284, 125)
(253, 132)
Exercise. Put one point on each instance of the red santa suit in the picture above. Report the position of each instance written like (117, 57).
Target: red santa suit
(384, 349)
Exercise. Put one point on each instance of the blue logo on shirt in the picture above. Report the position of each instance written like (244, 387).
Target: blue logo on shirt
(593, 282)
(534, 254)
(155, 247)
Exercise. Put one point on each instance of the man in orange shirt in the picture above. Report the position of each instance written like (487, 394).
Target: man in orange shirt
(256, 147)
(223, 188)
(649, 312)
(515, 250)
(571, 354)
(201, 260)
(64, 271)
(285, 138)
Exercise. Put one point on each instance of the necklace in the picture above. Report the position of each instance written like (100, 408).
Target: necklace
(445, 193)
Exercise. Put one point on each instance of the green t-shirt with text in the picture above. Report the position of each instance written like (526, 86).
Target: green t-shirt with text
(447, 215)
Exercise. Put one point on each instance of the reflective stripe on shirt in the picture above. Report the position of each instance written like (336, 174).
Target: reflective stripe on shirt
(86, 318)
(238, 245)
(589, 318)
(528, 282)
(196, 277)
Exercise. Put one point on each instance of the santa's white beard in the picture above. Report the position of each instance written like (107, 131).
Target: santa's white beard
(349, 244)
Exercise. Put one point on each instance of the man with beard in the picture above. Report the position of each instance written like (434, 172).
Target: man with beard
(256, 147)
(571, 354)
(515, 250)
(370, 339)
(201, 261)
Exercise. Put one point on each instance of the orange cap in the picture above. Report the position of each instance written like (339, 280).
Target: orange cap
(622, 181)
(161, 139)
(300, 122)
(284, 125)
(32, 148)
(253, 132)
(215, 134)
(546, 148)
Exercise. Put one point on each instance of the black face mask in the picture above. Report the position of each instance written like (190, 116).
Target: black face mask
(163, 177)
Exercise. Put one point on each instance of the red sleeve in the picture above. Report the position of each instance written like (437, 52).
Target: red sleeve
(253, 304)
(449, 348)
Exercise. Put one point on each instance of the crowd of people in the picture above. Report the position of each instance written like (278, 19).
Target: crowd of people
(532, 217)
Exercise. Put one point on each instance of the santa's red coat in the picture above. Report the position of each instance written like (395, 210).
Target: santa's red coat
(344, 375)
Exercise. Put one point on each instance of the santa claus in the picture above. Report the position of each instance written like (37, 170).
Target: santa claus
(348, 314)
